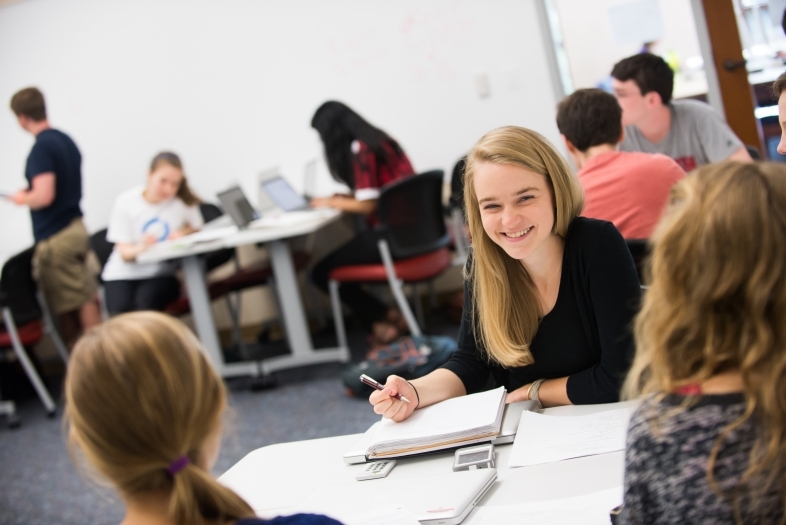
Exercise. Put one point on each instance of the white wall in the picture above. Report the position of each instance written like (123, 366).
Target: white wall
(231, 85)
(589, 40)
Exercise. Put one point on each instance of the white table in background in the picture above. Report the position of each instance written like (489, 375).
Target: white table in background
(293, 313)
(276, 478)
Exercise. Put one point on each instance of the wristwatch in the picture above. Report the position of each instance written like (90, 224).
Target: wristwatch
(533, 391)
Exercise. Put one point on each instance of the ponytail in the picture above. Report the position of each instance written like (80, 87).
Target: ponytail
(185, 194)
(139, 392)
(198, 499)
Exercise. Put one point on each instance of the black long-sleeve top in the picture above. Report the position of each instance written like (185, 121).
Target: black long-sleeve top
(587, 336)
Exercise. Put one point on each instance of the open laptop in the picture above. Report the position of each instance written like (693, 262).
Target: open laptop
(284, 195)
(435, 499)
(246, 217)
(237, 206)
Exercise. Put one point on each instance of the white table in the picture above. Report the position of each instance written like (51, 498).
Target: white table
(276, 478)
(293, 314)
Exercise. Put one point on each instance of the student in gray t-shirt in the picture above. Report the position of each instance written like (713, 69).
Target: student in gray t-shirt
(688, 131)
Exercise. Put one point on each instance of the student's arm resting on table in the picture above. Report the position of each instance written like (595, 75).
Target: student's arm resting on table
(182, 232)
(40, 195)
(552, 393)
(193, 222)
(437, 386)
(129, 251)
(346, 204)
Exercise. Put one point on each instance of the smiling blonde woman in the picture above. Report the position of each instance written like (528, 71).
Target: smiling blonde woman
(549, 296)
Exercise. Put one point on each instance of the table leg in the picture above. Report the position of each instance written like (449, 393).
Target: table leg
(294, 317)
(202, 311)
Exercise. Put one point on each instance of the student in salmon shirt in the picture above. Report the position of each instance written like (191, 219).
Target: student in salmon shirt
(629, 189)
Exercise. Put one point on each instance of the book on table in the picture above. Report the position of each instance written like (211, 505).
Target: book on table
(449, 424)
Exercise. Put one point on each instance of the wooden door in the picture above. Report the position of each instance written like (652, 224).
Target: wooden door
(738, 97)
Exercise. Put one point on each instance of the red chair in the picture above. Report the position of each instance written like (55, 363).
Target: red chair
(412, 244)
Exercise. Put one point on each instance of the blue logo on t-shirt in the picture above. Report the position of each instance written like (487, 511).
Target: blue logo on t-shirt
(157, 228)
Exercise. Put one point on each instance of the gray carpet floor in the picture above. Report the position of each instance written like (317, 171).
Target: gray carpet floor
(40, 484)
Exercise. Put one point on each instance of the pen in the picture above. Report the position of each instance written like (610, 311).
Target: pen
(373, 384)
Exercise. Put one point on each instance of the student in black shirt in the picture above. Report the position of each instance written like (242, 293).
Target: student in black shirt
(550, 296)
(54, 174)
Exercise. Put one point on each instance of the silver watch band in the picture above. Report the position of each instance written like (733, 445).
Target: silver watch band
(533, 392)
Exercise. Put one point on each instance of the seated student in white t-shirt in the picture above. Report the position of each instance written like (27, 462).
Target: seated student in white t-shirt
(163, 209)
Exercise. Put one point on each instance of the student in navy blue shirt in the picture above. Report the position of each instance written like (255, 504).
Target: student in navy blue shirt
(144, 406)
(61, 264)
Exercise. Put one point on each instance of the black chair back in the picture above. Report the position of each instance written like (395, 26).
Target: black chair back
(457, 184)
(18, 289)
(410, 215)
(210, 211)
(639, 250)
(219, 257)
(101, 247)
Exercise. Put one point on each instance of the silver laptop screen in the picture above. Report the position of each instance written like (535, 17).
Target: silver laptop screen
(283, 195)
(237, 206)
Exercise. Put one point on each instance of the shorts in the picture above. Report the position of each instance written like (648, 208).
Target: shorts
(65, 268)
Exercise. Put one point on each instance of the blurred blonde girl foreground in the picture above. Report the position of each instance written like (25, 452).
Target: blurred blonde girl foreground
(144, 406)
(708, 445)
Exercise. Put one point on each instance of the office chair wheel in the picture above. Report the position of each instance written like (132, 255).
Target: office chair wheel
(263, 382)
(14, 421)
(51, 414)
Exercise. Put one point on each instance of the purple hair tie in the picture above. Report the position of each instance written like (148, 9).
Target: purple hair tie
(178, 465)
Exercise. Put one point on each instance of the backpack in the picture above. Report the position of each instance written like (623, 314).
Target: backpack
(409, 357)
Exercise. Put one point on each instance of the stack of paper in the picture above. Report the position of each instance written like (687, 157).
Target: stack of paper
(451, 423)
(543, 439)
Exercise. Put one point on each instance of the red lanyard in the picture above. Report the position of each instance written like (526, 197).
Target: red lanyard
(693, 389)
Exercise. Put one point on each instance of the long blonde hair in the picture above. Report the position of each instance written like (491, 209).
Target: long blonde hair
(717, 301)
(140, 394)
(505, 309)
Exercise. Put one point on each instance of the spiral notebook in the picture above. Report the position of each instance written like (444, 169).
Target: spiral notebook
(449, 424)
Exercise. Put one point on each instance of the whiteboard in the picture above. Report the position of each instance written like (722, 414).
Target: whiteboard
(636, 22)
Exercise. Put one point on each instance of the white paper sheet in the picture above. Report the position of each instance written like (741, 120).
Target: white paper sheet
(590, 509)
(544, 439)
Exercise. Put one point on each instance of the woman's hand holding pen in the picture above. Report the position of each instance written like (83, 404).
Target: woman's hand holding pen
(387, 406)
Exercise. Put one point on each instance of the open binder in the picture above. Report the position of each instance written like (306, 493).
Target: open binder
(452, 423)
